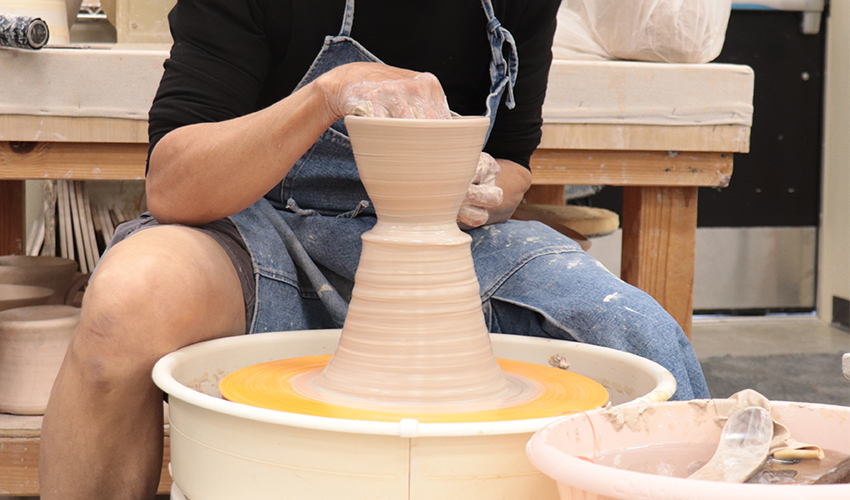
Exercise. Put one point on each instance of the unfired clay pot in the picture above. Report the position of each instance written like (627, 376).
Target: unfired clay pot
(415, 333)
(55, 273)
(12, 296)
(33, 341)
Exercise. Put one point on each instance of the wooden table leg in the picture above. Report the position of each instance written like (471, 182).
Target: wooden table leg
(659, 228)
(12, 218)
(546, 195)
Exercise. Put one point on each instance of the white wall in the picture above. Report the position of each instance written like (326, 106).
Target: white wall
(834, 258)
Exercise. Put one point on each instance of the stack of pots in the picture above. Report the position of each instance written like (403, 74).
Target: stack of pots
(36, 325)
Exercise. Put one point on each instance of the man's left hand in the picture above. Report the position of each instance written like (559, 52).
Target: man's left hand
(483, 194)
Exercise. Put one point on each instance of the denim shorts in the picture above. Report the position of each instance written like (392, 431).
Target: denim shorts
(224, 232)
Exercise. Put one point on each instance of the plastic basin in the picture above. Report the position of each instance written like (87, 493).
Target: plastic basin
(224, 450)
(556, 449)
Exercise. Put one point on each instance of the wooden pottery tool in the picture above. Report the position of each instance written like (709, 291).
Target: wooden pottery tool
(840, 474)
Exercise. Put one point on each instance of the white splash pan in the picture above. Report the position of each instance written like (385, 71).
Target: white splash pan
(225, 450)
(555, 450)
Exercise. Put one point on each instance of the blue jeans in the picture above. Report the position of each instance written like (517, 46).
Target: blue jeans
(534, 281)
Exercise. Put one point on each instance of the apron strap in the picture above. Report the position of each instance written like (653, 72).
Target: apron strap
(348, 19)
(331, 299)
(500, 68)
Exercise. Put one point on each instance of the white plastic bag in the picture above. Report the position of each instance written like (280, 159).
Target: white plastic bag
(679, 31)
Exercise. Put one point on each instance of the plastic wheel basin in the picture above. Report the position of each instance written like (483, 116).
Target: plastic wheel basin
(224, 450)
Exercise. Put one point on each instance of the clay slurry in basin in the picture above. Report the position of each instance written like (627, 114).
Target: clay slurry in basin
(415, 338)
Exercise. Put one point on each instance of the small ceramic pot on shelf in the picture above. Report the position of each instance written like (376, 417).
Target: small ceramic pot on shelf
(13, 296)
(33, 341)
(56, 273)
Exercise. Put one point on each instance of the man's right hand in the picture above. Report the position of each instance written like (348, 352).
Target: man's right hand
(374, 89)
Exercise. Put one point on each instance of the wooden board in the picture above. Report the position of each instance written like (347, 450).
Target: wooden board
(49, 219)
(60, 221)
(12, 217)
(72, 129)
(726, 138)
(659, 231)
(76, 220)
(67, 160)
(95, 253)
(546, 194)
(631, 168)
(68, 224)
(19, 442)
(106, 223)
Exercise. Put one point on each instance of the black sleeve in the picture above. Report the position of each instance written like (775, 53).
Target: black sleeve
(217, 67)
(516, 132)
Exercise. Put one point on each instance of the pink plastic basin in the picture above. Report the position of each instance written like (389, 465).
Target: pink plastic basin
(555, 449)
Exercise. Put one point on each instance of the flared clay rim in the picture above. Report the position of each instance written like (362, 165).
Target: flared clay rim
(163, 378)
(605, 480)
(454, 122)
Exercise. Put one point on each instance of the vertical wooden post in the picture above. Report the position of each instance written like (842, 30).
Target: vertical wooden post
(659, 229)
(12, 218)
(546, 195)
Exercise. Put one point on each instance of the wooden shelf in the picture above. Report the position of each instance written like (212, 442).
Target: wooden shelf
(19, 442)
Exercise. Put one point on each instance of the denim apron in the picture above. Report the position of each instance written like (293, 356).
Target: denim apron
(304, 241)
(322, 196)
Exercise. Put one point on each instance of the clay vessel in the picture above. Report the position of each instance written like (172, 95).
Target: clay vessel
(33, 341)
(56, 273)
(12, 296)
(415, 334)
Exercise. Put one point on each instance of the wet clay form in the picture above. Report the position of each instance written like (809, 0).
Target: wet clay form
(33, 341)
(415, 337)
(55, 273)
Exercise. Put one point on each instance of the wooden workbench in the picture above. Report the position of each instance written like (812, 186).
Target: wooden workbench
(661, 168)
(19, 440)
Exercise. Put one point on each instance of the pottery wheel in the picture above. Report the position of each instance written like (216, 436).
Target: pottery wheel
(284, 385)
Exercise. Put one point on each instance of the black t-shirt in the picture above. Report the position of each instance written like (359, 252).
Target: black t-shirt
(234, 57)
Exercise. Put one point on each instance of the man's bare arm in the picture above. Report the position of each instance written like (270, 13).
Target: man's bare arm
(203, 172)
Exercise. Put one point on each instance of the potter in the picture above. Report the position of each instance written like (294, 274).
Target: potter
(257, 208)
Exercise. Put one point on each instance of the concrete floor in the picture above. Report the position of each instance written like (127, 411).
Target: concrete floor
(765, 336)
(785, 358)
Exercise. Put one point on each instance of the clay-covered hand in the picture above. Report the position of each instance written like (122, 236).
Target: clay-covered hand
(483, 194)
(374, 89)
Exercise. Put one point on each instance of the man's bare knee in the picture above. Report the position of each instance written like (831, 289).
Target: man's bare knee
(153, 295)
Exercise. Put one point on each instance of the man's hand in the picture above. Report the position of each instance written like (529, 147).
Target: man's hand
(374, 89)
(483, 194)
(495, 192)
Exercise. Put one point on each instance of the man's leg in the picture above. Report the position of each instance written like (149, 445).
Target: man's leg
(537, 282)
(160, 289)
(570, 296)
